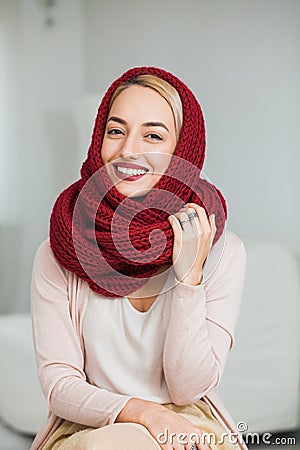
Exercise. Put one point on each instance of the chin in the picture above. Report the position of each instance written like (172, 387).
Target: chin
(138, 196)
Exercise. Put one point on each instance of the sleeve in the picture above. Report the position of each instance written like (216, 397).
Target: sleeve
(201, 328)
(60, 360)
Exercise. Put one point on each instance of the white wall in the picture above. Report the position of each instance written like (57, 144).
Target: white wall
(10, 185)
(241, 58)
(48, 79)
(9, 101)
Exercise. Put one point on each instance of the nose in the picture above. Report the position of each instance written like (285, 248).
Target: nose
(131, 146)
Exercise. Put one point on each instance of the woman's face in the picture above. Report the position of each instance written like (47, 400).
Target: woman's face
(139, 140)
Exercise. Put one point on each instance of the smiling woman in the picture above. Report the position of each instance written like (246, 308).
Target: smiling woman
(136, 293)
(140, 137)
(163, 88)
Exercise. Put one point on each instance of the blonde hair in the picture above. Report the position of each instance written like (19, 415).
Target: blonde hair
(163, 88)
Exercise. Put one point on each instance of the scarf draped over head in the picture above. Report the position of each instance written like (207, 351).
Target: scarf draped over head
(116, 243)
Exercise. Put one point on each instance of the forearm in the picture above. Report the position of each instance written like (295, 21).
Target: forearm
(137, 410)
(77, 401)
(190, 365)
(157, 419)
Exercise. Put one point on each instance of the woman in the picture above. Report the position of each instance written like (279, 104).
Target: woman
(136, 292)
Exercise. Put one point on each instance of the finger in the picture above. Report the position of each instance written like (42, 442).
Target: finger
(203, 447)
(175, 224)
(194, 221)
(182, 214)
(212, 219)
(202, 216)
(187, 222)
(198, 446)
(182, 219)
(193, 446)
(199, 209)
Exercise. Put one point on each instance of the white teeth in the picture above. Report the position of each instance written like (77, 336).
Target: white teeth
(131, 171)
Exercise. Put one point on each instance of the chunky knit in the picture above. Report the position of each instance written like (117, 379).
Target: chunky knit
(116, 243)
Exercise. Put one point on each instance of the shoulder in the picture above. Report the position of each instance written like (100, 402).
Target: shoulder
(44, 249)
(44, 253)
(233, 257)
(227, 258)
(233, 245)
(45, 261)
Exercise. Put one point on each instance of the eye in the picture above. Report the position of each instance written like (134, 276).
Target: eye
(154, 136)
(114, 131)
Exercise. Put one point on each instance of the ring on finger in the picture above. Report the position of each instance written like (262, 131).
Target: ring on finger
(191, 216)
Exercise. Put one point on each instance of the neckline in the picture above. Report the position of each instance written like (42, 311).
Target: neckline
(137, 311)
(143, 313)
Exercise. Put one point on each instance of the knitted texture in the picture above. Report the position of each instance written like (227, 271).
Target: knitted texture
(113, 242)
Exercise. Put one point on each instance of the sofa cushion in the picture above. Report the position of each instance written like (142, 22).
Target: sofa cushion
(22, 405)
(260, 385)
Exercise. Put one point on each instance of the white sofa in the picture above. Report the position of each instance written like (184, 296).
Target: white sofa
(260, 385)
(22, 405)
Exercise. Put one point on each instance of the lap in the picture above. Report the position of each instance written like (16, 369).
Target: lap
(132, 436)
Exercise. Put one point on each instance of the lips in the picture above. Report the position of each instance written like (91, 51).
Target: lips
(126, 176)
(130, 166)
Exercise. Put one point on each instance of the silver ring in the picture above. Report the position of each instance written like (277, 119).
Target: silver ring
(191, 216)
(185, 221)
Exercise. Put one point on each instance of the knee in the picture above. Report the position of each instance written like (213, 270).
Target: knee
(87, 441)
(113, 437)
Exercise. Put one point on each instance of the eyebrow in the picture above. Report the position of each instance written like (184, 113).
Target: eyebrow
(155, 124)
(146, 124)
(117, 119)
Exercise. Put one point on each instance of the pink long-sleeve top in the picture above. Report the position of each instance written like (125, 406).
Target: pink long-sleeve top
(198, 337)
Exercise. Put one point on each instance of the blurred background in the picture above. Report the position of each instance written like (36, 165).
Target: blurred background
(241, 59)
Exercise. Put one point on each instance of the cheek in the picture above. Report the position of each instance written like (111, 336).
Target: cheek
(106, 151)
(159, 161)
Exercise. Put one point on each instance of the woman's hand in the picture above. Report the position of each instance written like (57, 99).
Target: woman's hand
(192, 242)
(169, 429)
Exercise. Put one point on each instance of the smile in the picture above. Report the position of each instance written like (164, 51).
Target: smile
(129, 173)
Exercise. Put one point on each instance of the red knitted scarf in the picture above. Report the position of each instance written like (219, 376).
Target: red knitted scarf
(116, 243)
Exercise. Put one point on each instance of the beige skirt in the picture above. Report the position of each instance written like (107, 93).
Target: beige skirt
(131, 436)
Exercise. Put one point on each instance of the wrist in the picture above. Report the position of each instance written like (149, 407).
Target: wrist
(137, 410)
(191, 281)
